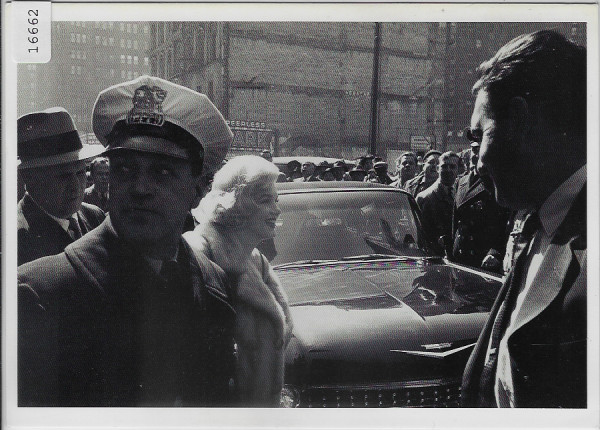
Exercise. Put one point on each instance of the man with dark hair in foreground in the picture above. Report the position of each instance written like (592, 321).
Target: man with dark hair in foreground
(530, 119)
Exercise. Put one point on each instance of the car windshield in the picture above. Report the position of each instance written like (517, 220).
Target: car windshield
(336, 225)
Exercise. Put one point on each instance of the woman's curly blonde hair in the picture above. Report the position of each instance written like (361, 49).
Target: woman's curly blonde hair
(231, 199)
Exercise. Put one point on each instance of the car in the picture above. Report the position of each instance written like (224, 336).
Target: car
(380, 318)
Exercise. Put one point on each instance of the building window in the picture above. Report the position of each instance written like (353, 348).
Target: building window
(122, 27)
(136, 74)
(112, 73)
(72, 56)
(129, 59)
(83, 24)
(84, 55)
(128, 44)
(97, 40)
(135, 28)
(79, 70)
(110, 25)
(111, 41)
(73, 37)
(122, 43)
(123, 74)
(146, 29)
(96, 24)
(146, 61)
(135, 60)
(128, 27)
(72, 70)
(129, 74)
(83, 38)
(78, 55)
(135, 44)
(122, 59)
(78, 24)
(78, 38)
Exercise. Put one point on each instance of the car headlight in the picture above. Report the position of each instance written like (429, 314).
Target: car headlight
(290, 397)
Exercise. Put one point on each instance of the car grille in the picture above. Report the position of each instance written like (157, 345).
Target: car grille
(430, 394)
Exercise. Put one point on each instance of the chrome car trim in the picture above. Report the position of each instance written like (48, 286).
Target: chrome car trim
(432, 354)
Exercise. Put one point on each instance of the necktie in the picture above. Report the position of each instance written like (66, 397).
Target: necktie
(523, 239)
(74, 230)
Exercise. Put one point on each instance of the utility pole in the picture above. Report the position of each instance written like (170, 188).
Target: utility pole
(375, 90)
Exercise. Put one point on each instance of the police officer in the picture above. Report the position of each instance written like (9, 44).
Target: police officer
(479, 224)
(126, 316)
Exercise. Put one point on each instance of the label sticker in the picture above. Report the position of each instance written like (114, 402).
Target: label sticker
(31, 31)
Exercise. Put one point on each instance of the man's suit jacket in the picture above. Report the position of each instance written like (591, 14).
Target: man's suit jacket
(479, 224)
(417, 184)
(99, 327)
(38, 235)
(548, 345)
(436, 206)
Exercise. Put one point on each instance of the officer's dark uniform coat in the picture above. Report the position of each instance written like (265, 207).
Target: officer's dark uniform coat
(479, 224)
(38, 235)
(98, 327)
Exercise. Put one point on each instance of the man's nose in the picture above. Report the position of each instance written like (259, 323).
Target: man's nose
(142, 185)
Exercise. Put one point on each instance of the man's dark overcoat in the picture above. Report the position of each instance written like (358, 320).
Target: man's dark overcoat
(479, 224)
(99, 327)
(548, 347)
(436, 206)
(417, 184)
(38, 235)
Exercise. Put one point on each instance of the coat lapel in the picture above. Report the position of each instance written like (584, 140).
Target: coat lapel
(471, 192)
(41, 224)
(562, 251)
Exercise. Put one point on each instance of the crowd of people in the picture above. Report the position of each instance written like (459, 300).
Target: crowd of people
(127, 299)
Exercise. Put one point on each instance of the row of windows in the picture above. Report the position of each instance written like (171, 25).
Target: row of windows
(133, 60)
(78, 38)
(125, 74)
(128, 27)
(80, 55)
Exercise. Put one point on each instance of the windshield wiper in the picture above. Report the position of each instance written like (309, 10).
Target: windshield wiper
(302, 263)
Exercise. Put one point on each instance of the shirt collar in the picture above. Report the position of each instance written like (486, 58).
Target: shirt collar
(157, 264)
(554, 210)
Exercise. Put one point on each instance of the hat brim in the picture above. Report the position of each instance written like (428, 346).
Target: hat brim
(87, 152)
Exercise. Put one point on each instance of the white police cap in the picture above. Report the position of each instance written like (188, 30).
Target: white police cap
(149, 104)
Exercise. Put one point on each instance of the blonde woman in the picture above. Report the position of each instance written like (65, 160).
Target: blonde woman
(235, 216)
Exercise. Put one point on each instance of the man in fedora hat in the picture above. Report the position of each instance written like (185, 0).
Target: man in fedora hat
(52, 161)
(130, 317)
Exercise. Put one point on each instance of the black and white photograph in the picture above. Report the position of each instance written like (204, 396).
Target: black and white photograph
(231, 215)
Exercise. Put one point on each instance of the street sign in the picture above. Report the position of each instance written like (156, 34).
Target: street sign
(419, 143)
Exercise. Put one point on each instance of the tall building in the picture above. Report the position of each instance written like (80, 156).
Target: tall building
(305, 88)
(87, 57)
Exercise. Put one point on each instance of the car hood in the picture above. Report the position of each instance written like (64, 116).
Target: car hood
(386, 311)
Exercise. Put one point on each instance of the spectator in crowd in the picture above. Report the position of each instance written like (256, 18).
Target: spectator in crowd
(327, 175)
(357, 173)
(293, 170)
(52, 162)
(239, 213)
(308, 172)
(366, 162)
(464, 166)
(381, 173)
(266, 154)
(530, 119)
(479, 224)
(406, 168)
(419, 163)
(436, 202)
(428, 175)
(340, 170)
(130, 317)
(97, 194)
